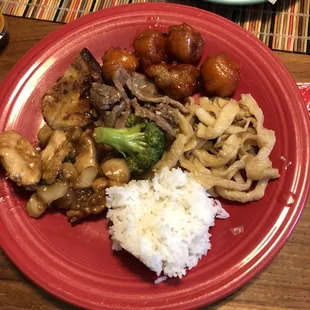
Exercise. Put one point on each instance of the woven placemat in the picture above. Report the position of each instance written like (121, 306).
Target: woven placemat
(283, 26)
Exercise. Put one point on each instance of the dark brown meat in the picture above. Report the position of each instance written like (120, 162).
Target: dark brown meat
(178, 81)
(63, 106)
(104, 97)
(184, 44)
(93, 65)
(146, 113)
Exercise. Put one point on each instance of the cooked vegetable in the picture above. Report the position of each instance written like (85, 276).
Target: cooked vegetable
(115, 58)
(141, 145)
(220, 75)
(35, 207)
(86, 178)
(69, 171)
(48, 193)
(116, 169)
(100, 184)
(184, 44)
(86, 153)
(44, 135)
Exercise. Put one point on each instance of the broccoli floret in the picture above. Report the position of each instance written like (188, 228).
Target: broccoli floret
(142, 145)
(134, 120)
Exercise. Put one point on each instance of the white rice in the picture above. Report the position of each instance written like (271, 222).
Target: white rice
(164, 222)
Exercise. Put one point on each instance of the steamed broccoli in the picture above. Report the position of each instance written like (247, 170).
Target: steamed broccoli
(142, 145)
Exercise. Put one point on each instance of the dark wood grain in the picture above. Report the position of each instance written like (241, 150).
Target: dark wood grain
(285, 284)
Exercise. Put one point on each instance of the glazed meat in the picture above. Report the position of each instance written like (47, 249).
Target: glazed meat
(220, 75)
(177, 80)
(20, 159)
(115, 58)
(150, 46)
(184, 44)
(64, 106)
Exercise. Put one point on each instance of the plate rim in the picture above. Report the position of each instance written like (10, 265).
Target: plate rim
(35, 51)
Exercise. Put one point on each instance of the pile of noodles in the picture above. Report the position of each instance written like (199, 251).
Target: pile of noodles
(224, 144)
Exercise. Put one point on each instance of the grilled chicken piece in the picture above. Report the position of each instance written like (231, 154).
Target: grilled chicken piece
(53, 155)
(20, 159)
(63, 106)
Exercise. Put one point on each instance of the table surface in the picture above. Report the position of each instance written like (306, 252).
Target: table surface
(285, 284)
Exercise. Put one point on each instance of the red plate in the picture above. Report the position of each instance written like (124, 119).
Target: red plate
(77, 263)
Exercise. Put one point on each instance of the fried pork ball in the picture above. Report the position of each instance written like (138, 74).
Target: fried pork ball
(220, 75)
(116, 57)
(184, 44)
(176, 80)
(150, 46)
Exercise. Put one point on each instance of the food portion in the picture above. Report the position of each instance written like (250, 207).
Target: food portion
(66, 105)
(115, 58)
(220, 75)
(164, 222)
(185, 44)
(177, 81)
(20, 159)
(126, 136)
(150, 46)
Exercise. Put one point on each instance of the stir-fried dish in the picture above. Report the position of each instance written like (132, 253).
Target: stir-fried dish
(133, 115)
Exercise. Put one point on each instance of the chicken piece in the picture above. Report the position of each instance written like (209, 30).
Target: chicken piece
(20, 159)
(184, 44)
(53, 155)
(144, 83)
(220, 75)
(93, 66)
(177, 80)
(63, 106)
(150, 45)
(86, 153)
(117, 57)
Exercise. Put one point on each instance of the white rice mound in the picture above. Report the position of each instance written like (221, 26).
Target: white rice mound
(164, 222)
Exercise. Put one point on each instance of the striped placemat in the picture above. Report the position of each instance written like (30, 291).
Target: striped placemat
(283, 26)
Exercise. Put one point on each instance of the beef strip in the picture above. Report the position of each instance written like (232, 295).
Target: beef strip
(104, 97)
(121, 78)
(110, 117)
(164, 110)
(144, 83)
(146, 113)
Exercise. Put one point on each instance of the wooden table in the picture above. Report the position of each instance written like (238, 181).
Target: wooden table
(285, 284)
